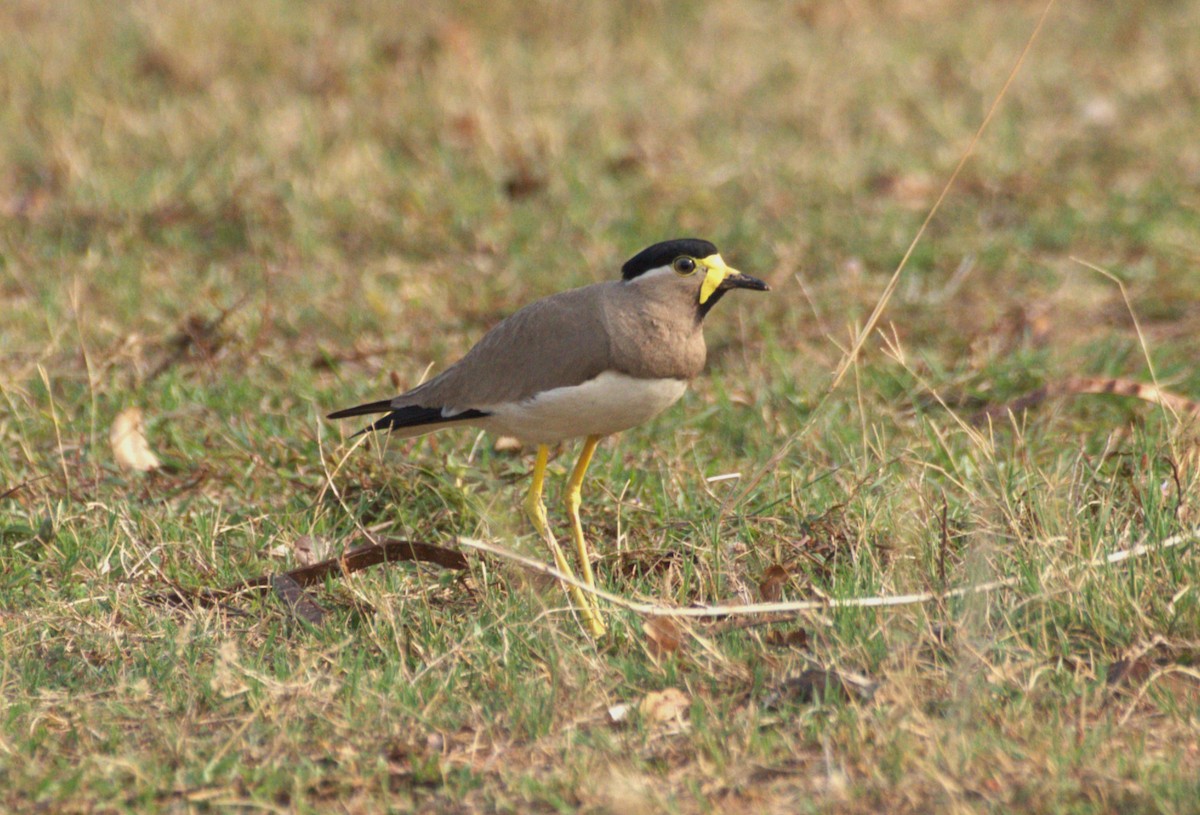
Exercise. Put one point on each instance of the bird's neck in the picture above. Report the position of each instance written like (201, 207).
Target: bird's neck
(655, 338)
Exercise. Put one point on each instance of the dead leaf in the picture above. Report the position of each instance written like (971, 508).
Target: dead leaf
(913, 191)
(129, 444)
(623, 791)
(795, 638)
(300, 604)
(626, 162)
(228, 677)
(818, 684)
(1156, 663)
(619, 713)
(771, 587)
(741, 398)
(662, 706)
(198, 338)
(310, 549)
(1100, 112)
(663, 636)
(642, 562)
(507, 444)
(523, 183)
(1129, 671)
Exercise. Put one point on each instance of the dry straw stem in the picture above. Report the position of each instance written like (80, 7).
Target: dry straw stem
(850, 356)
(806, 606)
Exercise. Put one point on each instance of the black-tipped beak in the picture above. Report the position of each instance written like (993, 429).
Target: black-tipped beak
(742, 281)
(732, 280)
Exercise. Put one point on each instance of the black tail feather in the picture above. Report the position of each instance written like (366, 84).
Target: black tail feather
(409, 416)
(362, 410)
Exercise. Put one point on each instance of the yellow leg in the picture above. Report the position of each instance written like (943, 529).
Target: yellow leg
(573, 499)
(536, 511)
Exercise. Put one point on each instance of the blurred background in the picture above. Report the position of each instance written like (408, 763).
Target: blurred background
(366, 175)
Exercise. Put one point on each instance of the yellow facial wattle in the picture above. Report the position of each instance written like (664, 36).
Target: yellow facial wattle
(715, 273)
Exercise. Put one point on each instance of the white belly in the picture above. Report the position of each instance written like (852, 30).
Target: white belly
(608, 404)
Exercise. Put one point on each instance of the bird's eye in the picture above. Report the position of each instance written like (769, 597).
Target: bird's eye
(684, 266)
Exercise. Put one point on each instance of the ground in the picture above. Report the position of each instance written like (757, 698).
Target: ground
(235, 218)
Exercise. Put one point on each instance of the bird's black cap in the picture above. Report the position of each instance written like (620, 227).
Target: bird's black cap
(661, 254)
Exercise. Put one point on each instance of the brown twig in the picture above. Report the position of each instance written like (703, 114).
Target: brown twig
(14, 490)
(1173, 402)
(357, 559)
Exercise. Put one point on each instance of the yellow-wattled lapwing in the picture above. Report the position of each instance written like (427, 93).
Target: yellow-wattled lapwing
(587, 362)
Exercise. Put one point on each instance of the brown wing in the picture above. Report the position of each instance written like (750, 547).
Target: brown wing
(555, 342)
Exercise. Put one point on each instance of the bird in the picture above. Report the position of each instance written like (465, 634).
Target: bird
(583, 363)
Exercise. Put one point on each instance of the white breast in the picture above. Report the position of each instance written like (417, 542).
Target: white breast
(608, 404)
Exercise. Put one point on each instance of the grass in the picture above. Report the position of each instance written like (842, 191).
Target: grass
(363, 189)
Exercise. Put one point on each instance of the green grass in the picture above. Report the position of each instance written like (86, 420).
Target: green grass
(366, 188)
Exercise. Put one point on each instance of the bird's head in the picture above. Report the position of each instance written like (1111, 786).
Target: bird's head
(693, 264)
